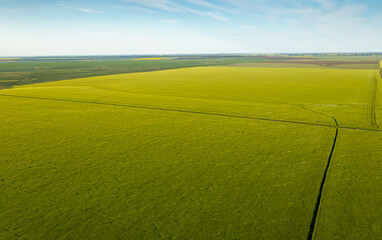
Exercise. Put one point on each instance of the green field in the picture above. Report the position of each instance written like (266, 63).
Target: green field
(36, 70)
(353, 192)
(285, 94)
(212, 152)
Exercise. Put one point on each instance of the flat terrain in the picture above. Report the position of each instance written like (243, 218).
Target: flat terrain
(35, 70)
(285, 94)
(353, 191)
(91, 170)
(348, 64)
(224, 152)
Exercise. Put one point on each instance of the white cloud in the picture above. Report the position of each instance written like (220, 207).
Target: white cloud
(165, 5)
(222, 30)
(215, 16)
(148, 30)
(256, 26)
(206, 4)
(298, 13)
(87, 10)
(271, 18)
(83, 10)
(248, 27)
(329, 4)
(171, 21)
(344, 13)
(171, 6)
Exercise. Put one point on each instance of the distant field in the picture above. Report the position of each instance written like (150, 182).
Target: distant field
(195, 153)
(46, 69)
(313, 64)
(5, 81)
(9, 59)
(150, 58)
(289, 94)
(36, 70)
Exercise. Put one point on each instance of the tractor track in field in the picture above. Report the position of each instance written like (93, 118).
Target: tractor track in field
(324, 177)
(93, 212)
(322, 184)
(313, 223)
(15, 234)
(372, 116)
(200, 113)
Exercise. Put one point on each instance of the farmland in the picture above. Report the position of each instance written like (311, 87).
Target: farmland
(35, 70)
(210, 148)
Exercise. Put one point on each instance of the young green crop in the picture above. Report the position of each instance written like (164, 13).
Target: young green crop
(37, 70)
(353, 190)
(89, 171)
(304, 95)
(198, 153)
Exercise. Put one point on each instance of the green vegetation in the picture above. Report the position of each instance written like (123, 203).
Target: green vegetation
(289, 94)
(353, 193)
(314, 63)
(115, 172)
(36, 70)
(4, 81)
(194, 153)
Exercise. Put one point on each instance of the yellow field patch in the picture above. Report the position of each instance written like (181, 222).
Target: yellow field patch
(9, 59)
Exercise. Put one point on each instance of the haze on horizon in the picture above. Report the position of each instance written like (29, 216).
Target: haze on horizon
(101, 27)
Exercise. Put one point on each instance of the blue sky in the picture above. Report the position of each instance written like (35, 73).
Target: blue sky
(94, 27)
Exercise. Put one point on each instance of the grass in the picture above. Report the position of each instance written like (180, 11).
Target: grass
(36, 70)
(116, 172)
(5, 81)
(289, 94)
(353, 190)
(149, 58)
(194, 153)
(276, 65)
(310, 64)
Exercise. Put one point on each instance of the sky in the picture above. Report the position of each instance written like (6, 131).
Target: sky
(130, 27)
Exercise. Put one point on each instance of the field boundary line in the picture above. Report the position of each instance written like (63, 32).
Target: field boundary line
(15, 234)
(319, 200)
(196, 112)
(296, 105)
(174, 110)
(372, 115)
(319, 113)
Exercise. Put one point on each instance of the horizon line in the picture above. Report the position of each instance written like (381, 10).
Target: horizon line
(187, 54)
